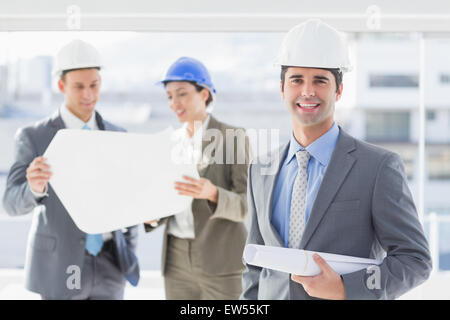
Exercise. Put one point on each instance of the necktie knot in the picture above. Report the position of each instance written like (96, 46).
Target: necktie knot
(86, 127)
(302, 158)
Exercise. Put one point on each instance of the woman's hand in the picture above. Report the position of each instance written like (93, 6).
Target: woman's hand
(198, 189)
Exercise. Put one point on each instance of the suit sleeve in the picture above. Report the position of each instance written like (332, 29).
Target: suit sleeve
(232, 204)
(18, 198)
(399, 232)
(250, 276)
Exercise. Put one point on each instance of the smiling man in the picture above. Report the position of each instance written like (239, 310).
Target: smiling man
(62, 261)
(331, 193)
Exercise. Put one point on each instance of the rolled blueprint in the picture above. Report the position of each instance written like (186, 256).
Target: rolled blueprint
(301, 262)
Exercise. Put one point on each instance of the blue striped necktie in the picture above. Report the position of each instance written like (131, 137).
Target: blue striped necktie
(94, 242)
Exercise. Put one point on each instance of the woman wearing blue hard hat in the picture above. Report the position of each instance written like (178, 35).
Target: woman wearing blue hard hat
(203, 245)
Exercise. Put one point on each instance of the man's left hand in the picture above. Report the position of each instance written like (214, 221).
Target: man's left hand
(198, 189)
(326, 285)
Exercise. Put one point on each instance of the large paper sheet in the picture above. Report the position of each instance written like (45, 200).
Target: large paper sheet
(111, 180)
(301, 262)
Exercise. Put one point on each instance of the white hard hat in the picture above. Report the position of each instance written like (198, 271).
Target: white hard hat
(314, 44)
(77, 54)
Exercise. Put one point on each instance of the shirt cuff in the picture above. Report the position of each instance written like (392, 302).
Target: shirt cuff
(107, 236)
(38, 195)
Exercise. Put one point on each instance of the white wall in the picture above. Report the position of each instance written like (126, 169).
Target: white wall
(231, 15)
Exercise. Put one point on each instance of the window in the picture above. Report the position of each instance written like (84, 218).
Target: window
(395, 81)
(431, 115)
(387, 126)
(444, 78)
(439, 163)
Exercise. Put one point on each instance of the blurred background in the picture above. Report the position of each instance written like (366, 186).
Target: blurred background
(397, 96)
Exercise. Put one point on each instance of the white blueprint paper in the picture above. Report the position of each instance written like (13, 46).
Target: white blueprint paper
(301, 262)
(111, 180)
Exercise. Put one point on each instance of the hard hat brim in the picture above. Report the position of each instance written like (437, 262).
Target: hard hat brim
(181, 79)
(296, 65)
(57, 73)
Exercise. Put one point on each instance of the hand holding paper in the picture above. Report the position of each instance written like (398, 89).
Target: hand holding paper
(197, 188)
(326, 285)
(301, 262)
(38, 174)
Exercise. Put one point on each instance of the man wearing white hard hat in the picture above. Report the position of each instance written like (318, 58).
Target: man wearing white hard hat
(63, 262)
(331, 193)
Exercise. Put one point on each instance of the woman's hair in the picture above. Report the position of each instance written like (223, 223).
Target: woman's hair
(198, 88)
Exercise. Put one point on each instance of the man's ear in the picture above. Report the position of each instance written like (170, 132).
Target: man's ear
(281, 90)
(61, 85)
(339, 92)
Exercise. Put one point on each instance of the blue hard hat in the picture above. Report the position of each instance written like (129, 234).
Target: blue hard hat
(189, 69)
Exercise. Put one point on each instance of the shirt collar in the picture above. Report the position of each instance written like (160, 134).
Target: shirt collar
(321, 149)
(199, 134)
(73, 122)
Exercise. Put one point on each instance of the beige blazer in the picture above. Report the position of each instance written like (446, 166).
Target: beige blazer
(220, 233)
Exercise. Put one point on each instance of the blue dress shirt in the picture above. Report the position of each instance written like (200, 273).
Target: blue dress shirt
(320, 151)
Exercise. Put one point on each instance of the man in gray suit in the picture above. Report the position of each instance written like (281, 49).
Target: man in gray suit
(62, 262)
(331, 192)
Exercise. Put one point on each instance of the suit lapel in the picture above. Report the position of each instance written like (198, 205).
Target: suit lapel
(339, 166)
(99, 120)
(269, 181)
(205, 161)
(56, 124)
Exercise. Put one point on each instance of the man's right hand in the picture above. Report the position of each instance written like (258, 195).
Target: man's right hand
(38, 174)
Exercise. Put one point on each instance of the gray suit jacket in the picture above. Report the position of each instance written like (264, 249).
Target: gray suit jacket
(55, 242)
(363, 208)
